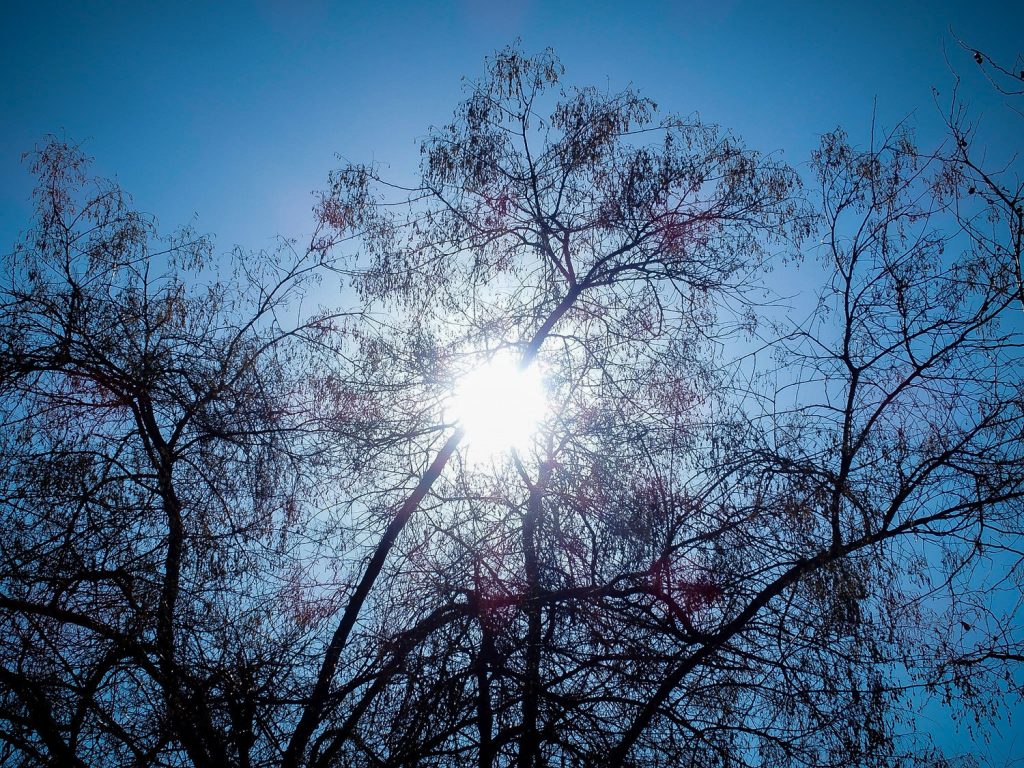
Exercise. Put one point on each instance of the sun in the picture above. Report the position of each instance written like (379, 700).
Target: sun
(499, 405)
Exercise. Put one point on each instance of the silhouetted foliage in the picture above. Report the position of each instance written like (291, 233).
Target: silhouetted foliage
(237, 532)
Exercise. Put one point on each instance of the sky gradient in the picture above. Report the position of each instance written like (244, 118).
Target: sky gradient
(233, 114)
(229, 115)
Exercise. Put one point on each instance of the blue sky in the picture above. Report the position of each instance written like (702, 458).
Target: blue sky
(230, 114)
(233, 112)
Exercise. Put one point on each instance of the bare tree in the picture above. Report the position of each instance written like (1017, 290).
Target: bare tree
(988, 192)
(158, 446)
(587, 235)
(241, 536)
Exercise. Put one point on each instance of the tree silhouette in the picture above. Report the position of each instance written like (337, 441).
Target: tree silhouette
(238, 532)
(988, 195)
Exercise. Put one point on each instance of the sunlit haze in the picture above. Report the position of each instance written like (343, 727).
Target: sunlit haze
(499, 405)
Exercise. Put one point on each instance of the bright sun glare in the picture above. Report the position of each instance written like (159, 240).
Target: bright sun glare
(499, 405)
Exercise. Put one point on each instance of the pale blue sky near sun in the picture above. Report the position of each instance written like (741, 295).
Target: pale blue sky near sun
(229, 114)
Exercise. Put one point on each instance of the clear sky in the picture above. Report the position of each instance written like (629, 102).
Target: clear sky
(232, 113)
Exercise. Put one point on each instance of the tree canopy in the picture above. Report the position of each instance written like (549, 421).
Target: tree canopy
(241, 531)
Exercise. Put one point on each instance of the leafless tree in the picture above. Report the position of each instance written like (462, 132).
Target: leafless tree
(592, 237)
(158, 448)
(988, 191)
(241, 534)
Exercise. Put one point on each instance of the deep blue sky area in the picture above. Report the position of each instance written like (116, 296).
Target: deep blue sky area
(230, 114)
